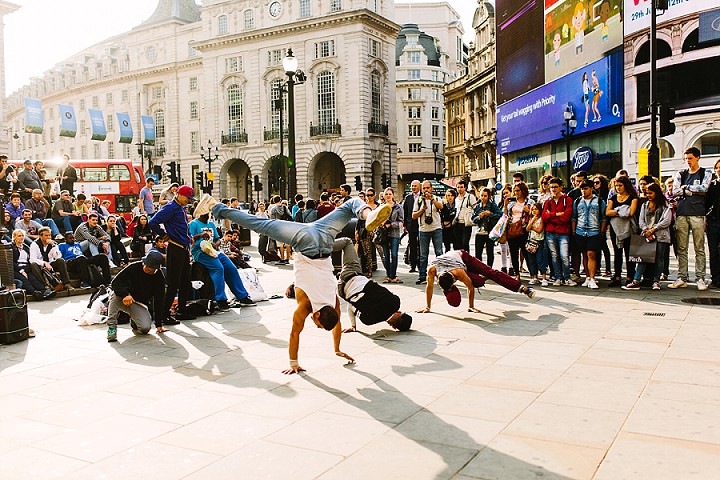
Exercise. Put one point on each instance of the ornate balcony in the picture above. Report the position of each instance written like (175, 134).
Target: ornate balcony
(274, 134)
(235, 137)
(378, 128)
(325, 129)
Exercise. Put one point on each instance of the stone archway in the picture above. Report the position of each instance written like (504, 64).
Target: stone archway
(236, 179)
(326, 172)
(376, 176)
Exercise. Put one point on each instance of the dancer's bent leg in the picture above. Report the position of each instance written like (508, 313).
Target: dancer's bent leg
(476, 266)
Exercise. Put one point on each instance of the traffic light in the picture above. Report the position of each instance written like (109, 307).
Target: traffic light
(258, 186)
(384, 180)
(172, 173)
(662, 4)
(358, 183)
(667, 113)
(200, 178)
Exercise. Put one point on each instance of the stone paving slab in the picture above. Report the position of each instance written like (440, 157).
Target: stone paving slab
(576, 384)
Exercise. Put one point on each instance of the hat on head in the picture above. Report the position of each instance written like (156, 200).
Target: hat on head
(186, 191)
(27, 161)
(153, 260)
(452, 295)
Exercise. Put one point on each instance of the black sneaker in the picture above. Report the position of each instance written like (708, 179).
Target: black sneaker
(223, 306)
(184, 316)
(246, 302)
(421, 281)
(170, 321)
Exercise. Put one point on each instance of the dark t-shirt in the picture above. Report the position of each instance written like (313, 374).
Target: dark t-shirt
(693, 205)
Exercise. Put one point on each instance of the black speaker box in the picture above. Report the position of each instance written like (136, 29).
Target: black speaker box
(13, 316)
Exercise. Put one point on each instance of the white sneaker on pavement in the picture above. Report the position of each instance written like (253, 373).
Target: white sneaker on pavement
(701, 285)
(591, 284)
(570, 283)
(679, 283)
(376, 217)
(204, 205)
(557, 283)
(543, 283)
(532, 281)
(586, 282)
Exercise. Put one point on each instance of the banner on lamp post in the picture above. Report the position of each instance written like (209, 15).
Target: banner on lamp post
(34, 118)
(68, 122)
(97, 121)
(148, 124)
(126, 130)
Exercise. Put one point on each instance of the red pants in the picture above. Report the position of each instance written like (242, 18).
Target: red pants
(478, 272)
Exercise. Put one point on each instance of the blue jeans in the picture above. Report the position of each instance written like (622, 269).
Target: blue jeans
(94, 250)
(390, 252)
(64, 221)
(313, 240)
(537, 263)
(559, 246)
(222, 271)
(54, 230)
(660, 250)
(425, 237)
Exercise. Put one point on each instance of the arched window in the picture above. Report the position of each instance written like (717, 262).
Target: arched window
(326, 99)
(375, 95)
(222, 25)
(236, 113)
(278, 101)
(709, 144)
(666, 148)
(643, 55)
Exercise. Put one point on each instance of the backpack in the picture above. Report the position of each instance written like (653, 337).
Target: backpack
(95, 276)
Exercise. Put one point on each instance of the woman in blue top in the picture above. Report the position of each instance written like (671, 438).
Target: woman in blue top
(485, 215)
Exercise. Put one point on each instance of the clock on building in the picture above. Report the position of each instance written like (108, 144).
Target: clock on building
(275, 9)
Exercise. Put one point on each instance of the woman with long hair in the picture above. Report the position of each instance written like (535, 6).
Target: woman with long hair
(506, 192)
(655, 219)
(142, 235)
(365, 244)
(517, 209)
(447, 219)
(544, 192)
(601, 185)
(586, 96)
(116, 234)
(485, 215)
(393, 227)
(621, 209)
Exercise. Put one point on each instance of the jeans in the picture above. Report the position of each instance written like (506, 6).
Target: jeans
(63, 222)
(660, 250)
(49, 223)
(178, 278)
(484, 242)
(313, 240)
(94, 249)
(630, 266)
(537, 263)
(390, 252)
(425, 238)
(685, 225)
(713, 234)
(222, 270)
(412, 248)
(478, 272)
(517, 245)
(559, 246)
(462, 236)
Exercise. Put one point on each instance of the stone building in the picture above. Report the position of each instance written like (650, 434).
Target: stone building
(213, 73)
(5, 133)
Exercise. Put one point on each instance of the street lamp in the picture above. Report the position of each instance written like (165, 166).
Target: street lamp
(295, 76)
(567, 132)
(210, 158)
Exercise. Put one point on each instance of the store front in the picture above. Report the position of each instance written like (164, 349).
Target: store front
(596, 154)
(533, 163)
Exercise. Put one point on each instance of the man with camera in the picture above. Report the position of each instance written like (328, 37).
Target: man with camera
(427, 211)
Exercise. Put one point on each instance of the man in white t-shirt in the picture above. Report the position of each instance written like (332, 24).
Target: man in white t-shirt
(427, 212)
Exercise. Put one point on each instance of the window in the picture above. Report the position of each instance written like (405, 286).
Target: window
(434, 112)
(233, 64)
(435, 94)
(412, 40)
(249, 19)
(375, 50)
(82, 128)
(194, 142)
(109, 98)
(375, 96)
(193, 84)
(434, 76)
(111, 150)
(193, 110)
(275, 57)
(94, 174)
(435, 131)
(82, 104)
(326, 98)
(413, 94)
(109, 122)
(119, 173)
(72, 152)
(96, 151)
(413, 130)
(304, 8)
(436, 147)
(192, 52)
(413, 112)
(413, 74)
(414, 57)
(335, 5)
(325, 49)
(235, 109)
(95, 101)
(222, 25)
(276, 105)
(124, 96)
(52, 135)
(414, 147)
(160, 124)
(374, 5)
(157, 93)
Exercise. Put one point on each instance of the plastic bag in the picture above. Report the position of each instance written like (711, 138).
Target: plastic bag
(499, 231)
(96, 313)
(252, 285)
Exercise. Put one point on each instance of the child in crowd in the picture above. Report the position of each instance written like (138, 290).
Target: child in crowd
(537, 263)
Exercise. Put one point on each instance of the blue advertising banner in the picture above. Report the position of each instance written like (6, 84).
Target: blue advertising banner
(126, 130)
(97, 121)
(68, 122)
(148, 124)
(594, 92)
(34, 118)
(709, 26)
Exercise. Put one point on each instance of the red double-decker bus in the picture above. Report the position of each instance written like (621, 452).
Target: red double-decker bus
(119, 181)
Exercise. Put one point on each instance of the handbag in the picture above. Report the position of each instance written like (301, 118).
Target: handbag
(642, 250)
(515, 229)
(531, 245)
(381, 236)
(53, 280)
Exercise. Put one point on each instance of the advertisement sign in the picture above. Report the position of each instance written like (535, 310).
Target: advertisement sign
(148, 124)
(68, 122)
(637, 12)
(582, 159)
(126, 130)
(97, 122)
(97, 188)
(34, 118)
(578, 32)
(710, 26)
(594, 92)
(519, 37)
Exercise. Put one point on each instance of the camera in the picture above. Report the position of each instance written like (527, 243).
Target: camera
(428, 220)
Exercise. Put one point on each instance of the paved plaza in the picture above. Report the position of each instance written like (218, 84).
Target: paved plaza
(575, 384)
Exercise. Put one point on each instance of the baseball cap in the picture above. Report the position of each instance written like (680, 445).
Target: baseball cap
(153, 260)
(452, 295)
(186, 191)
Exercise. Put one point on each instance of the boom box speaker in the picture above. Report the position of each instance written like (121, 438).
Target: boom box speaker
(13, 316)
(7, 277)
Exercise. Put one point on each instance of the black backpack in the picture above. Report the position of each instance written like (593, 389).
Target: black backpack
(95, 276)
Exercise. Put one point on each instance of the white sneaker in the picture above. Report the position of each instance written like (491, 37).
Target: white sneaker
(557, 283)
(701, 285)
(204, 205)
(532, 281)
(376, 217)
(543, 283)
(679, 283)
(591, 284)
(570, 283)
(586, 282)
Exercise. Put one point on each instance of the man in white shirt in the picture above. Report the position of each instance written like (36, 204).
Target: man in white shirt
(464, 205)
(427, 212)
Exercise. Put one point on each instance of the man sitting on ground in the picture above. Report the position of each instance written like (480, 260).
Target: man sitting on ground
(45, 255)
(39, 207)
(29, 226)
(78, 264)
(92, 237)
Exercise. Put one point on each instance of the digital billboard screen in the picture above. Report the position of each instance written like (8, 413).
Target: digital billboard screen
(519, 37)
(578, 32)
(637, 12)
(594, 92)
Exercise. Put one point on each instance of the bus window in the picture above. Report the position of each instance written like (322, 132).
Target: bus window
(124, 203)
(119, 173)
(137, 175)
(94, 174)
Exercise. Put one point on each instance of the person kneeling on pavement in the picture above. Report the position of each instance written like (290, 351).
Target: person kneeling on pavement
(78, 264)
(133, 291)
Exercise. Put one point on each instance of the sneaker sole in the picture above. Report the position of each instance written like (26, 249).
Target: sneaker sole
(202, 206)
(382, 215)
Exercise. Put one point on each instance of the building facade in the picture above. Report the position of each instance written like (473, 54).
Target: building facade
(214, 74)
(6, 8)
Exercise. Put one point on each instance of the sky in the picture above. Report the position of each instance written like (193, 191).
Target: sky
(43, 33)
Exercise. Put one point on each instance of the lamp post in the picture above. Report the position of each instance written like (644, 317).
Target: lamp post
(295, 77)
(567, 132)
(210, 158)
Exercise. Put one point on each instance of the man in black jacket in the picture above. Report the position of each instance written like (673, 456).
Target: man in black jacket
(411, 226)
(132, 290)
(67, 175)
